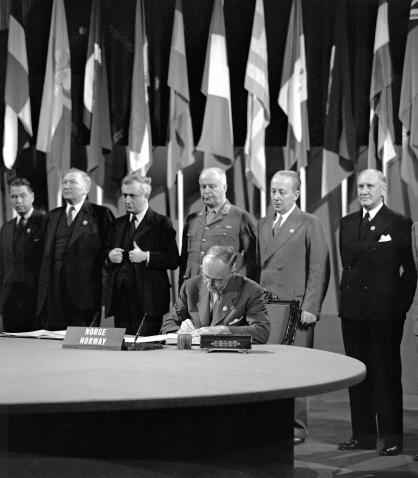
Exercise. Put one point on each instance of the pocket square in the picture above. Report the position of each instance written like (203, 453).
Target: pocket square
(385, 238)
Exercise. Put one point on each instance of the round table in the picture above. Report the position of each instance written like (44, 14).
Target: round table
(183, 409)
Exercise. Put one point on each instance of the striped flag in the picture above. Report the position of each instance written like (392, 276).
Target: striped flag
(17, 116)
(54, 131)
(258, 107)
(381, 134)
(408, 107)
(140, 144)
(96, 115)
(216, 140)
(180, 144)
(293, 95)
(339, 151)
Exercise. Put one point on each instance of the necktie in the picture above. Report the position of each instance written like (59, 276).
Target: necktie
(214, 301)
(21, 224)
(364, 225)
(210, 215)
(132, 228)
(276, 225)
(70, 215)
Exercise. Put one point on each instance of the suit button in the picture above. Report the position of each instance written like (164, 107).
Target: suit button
(365, 287)
(349, 267)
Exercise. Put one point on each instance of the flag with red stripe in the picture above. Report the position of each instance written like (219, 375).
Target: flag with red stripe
(17, 116)
(180, 148)
(216, 139)
(293, 95)
(258, 102)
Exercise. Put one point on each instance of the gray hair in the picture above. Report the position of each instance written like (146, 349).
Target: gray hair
(380, 176)
(84, 176)
(225, 254)
(219, 171)
(144, 182)
(289, 174)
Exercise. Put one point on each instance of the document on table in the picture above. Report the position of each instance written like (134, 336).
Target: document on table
(37, 334)
(170, 339)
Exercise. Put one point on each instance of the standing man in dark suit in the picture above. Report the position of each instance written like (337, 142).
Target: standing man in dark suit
(70, 282)
(21, 246)
(377, 288)
(293, 263)
(219, 223)
(141, 247)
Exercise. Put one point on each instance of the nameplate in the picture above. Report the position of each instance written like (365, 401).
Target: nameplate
(226, 343)
(94, 338)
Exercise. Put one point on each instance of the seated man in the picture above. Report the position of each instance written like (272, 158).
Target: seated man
(219, 301)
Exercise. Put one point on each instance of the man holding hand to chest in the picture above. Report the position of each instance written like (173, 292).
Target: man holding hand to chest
(141, 247)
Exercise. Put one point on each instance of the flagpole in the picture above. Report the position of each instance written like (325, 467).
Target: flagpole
(344, 197)
(180, 206)
(302, 175)
(263, 203)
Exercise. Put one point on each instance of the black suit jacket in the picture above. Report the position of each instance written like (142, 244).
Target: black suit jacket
(84, 256)
(379, 275)
(26, 258)
(156, 235)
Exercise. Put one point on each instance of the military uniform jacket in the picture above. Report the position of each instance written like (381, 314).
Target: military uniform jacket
(232, 226)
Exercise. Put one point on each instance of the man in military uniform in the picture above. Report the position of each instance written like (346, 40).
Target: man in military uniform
(219, 223)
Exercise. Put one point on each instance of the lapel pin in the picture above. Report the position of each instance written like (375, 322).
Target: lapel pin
(85, 223)
(224, 308)
(372, 228)
(28, 230)
(292, 231)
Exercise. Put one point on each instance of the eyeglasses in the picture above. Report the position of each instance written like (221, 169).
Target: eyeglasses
(212, 281)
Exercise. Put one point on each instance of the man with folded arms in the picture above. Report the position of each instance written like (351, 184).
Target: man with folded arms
(377, 288)
(220, 301)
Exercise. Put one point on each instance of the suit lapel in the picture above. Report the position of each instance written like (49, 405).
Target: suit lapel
(30, 228)
(145, 225)
(53, 221)
(286, 231)
(377, 227)
(9, 239)
(81, 222)
(225, 307)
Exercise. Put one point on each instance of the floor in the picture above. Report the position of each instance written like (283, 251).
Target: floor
(319, 457)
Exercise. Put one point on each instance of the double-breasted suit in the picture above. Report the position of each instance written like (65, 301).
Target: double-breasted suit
(294, 265)
(70, 280)
(147, 282)
(377, 287)
(241, 307)
(20, 261)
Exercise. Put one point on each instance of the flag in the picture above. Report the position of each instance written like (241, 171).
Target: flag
(339, 151)
(180, 144)
(293, 95)
(17, 116)
(140, 144)
(96, 115)
(216, 139)
(381, 134)
(54, 130)
(408, 106)
(258, 102)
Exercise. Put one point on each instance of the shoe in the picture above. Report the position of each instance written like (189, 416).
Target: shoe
(353, 444)
(390, 450)
(298, 440)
